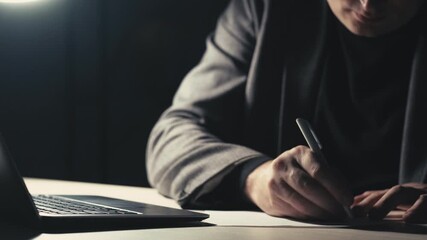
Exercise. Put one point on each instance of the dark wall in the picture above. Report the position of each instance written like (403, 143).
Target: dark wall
(83, 81)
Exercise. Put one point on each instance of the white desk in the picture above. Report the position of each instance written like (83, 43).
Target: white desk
(40, 186)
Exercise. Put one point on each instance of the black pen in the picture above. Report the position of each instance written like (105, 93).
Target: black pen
(315, 146)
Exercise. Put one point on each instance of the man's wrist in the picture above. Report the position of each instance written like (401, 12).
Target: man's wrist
(247, 169)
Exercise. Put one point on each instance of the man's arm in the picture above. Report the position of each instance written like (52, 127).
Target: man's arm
(191, 148)
(194, 149)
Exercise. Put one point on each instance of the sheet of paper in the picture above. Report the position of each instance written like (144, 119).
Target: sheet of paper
(260, 219)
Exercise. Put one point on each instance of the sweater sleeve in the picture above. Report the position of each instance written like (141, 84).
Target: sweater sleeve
(196, 143)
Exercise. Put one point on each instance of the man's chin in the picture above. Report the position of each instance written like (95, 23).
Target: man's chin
(365, 31)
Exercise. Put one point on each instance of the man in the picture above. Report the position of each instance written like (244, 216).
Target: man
(356, 69)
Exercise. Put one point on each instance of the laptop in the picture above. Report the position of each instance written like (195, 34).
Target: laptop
(53, 212)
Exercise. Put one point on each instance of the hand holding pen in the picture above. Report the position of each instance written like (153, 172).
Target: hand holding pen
(315, 146)
(299, 184)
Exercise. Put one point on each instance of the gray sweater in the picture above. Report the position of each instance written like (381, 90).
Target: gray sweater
(260, 71)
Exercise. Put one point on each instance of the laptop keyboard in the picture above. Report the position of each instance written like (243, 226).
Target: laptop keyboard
(61, 206)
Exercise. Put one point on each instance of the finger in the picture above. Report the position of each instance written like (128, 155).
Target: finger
(318, 170)
(397, 195)
(300, 203)
(280, 208)
(395, 215)
(309, 188)
(403, 207)
(362, 208)
(357, 199)
(418, 212)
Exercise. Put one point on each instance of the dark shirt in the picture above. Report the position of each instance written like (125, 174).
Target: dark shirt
(359, 113)
(361, 105)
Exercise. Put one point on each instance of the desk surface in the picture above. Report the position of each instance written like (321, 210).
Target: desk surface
(40, 186)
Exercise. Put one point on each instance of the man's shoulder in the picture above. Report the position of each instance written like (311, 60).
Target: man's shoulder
(275, 14)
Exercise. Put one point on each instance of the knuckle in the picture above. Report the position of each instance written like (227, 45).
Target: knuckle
(298, 178)
(377, 194)
(298, 150)
(423, 197)
(278, 165)
(292, 174)
(315, 170)
(308, 155)
(397, 189)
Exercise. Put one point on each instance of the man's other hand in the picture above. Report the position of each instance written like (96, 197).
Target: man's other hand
(297, 185)
(411, 198)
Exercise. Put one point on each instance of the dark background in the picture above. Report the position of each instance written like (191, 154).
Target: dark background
(82, 82)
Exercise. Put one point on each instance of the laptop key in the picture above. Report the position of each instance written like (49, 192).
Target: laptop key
(61, 206)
